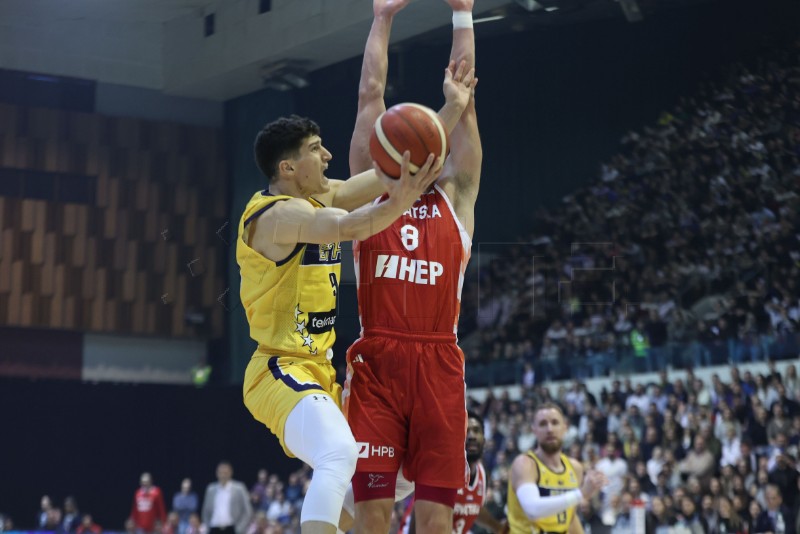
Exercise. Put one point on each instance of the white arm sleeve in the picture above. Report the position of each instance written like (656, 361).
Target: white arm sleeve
(536, 507)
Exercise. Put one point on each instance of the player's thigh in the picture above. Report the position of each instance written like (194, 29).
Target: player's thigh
(437, 429)
(375, 405)
(274, 385)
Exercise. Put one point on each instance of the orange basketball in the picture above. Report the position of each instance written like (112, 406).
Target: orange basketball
(411, 127)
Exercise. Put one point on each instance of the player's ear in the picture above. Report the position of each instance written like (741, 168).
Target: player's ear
(286, 166)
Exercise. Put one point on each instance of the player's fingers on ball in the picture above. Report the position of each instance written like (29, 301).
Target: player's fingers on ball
(378, 170)
(405, 164)
(425, 169)
(427, 165)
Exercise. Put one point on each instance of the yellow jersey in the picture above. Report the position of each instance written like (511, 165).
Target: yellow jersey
(550, 483)
(290, 304)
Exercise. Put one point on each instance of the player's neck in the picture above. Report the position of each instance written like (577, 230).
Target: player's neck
(287, 188)
(473, 472)
(552, 461)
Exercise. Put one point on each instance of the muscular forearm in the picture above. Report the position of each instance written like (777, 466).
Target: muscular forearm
(358, 190)
(450, 114)
(463, 46)
(369, 220)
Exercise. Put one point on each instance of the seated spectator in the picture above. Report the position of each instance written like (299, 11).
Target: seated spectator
(689, 519)
(658, 519)
(777, 517)
(88, 526)
(172, 524)
(699, 461)
(729, 521)
(258, 491)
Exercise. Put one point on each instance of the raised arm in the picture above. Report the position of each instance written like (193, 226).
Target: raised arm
(461, 177)
(295, 221)
(372, 84)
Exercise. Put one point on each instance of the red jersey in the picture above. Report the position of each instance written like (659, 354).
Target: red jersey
(148, 507)
(410, 275)
(469, 501)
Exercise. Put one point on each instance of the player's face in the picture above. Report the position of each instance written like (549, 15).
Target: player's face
(549, 428)
(310, 165)
(475, 440)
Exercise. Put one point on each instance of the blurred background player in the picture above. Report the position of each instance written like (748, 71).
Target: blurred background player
(289, 254)
(404, 397)
(469, 507)
(543, 490)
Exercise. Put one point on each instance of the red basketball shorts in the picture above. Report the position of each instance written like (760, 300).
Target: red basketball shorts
(404, 400)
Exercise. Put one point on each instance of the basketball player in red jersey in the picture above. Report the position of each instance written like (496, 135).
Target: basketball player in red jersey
(469, 500)
(404, 396)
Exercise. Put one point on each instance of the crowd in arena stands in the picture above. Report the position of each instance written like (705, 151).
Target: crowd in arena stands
(701, 458)
(717, 458)
(702, 204)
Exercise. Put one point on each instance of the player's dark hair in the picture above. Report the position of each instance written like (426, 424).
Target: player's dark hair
(474, 415)
(281, 139)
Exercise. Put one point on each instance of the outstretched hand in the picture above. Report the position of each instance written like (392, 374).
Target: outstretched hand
(459, 83)
(388, 8)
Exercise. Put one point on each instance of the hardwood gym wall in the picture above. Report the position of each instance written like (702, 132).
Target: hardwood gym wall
(110, 225)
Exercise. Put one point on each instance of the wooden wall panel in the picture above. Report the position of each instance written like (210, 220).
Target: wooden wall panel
(121, 262)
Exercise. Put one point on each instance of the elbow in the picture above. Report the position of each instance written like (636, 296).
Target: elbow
(372, 89)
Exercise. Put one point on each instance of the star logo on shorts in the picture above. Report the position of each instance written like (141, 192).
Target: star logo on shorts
(300, 326)
(297, 312)
(307, 341)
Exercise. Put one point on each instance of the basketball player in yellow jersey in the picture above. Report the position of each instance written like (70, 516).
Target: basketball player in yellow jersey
(546, 485)
(289, 256)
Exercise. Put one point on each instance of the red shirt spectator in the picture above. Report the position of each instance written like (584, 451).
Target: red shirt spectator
(148, 505)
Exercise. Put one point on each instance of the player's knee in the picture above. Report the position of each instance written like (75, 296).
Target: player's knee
(373, 516)
(339, 457)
